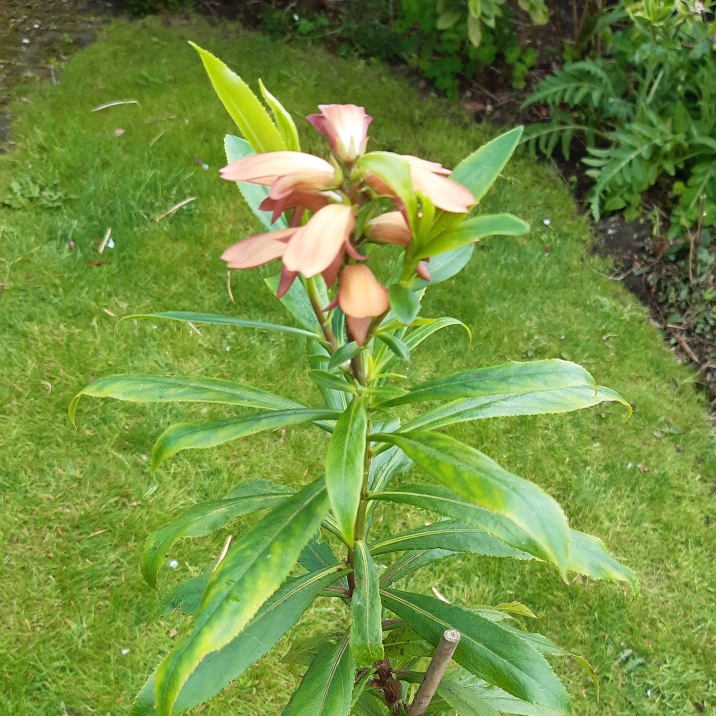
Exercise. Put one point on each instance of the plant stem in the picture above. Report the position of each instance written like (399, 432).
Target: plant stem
(429, 685)
(312, 291)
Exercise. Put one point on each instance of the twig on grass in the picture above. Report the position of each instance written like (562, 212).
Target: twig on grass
(114, 104)
(175, 207)
(687, 349)
(228, 286)
(103, 245)
(429, 685)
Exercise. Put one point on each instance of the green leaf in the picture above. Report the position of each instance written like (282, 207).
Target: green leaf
(505, 379)
(444, 266)
(398, 347)
(404, 303)
(464, 700)
(169, 389)
(344, 466)
(242, 104)
(481, 481)
(404, 643)
(411, 562)
(284, 121)
(327, 687)
(387, 464)
(323, 379)
(485, 649)
(589, 556)
(473, 230)
(343, 354)
(205, 518)
(479, 171)
(316, 555)
(189, 317)
(417, 336)
(394, 171)
(186, 596)
(250, 573)
(186, 436)
(254, 194)
(449, 535)
(563, 400)
(366, 635)
(296, 302)
(218, 669)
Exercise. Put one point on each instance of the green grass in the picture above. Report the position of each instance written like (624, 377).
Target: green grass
(77, 504)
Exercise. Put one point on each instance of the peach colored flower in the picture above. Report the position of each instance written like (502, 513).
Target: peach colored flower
(361, 297)
(298, 199)
(428, 179)
(266, 168)
(345, 126)
(389, 228)
(258, 249)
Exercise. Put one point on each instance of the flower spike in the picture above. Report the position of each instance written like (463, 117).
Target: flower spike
(346, 128)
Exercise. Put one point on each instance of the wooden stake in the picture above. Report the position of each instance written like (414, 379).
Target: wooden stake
(429, 685)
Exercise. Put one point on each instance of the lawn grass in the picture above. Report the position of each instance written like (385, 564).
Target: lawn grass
(77, 504)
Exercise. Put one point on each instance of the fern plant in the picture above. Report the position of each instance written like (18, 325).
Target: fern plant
(645, 109)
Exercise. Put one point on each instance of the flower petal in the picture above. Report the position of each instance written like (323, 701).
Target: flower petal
(390, 228)
(314, 246)
(300, 198)
(308, 180)
(258, 249)
(359, 293)
(346, 128)
(429, 166)
(422, 271)
(445, 193)
(284, 283)
(266, 168)
(358, 328)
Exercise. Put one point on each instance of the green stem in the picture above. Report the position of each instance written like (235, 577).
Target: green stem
(312, 291)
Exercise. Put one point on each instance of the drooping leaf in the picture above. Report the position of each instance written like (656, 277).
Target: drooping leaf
(254, 194)
(417, 336)
(485, 649)
(411, 562)
(545, 402)
(448, 535)
(500, 380)
(344, 466)
(473, 230)
(218, 669)
(479, 171)
(205, 518)
(242, 104)
(366, 635)
(190, 317)
(249, 574)
(186, 436)
(169, 389)
(481, 481)
(327, 687)
(589, 556)
(284, 121)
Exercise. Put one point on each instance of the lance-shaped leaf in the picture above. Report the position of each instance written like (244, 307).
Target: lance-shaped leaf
(344, 466)
(448, 535)
(479, 171)
(411, 562)
(284, 121)
(394, 172)
(242, 104)
(296, 300)
(190, 317)
(170, 389)
(417, 336)
(193, 436)
(507, 379)
(481, 481)
(254, 194)
(366, 635)
(404, 643)
(327, 687)
(465, 701)
(404, 303)
(444, 266)
(218, 669)
(185, 596)
(207, 517)
(323, 379)
(544, 402)
(473, 230)
(249, 574)
(486, 649)
(343, 354)
(589, 556)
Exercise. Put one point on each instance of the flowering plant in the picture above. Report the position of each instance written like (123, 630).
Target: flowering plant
(322, 218)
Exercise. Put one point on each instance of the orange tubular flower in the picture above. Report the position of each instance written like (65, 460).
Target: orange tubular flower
(428, 178)
(257, 250)
(390, 228)
(361, 297)
(346, 128)
(299, 199)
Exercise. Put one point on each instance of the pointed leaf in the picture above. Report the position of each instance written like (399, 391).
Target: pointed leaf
(417, 336)
(218, 669)
(449, 535)
(186, 436)
(284, 121)
(343, 354)
(344, 466)
(480, 480)
(404, 303)
(169, 389)
(444, 266)
(242, 104)
(404, 643)
(366, 635)
(411, 562)
(323, 379)
(398, 347)
(563, 400)
(589, 556)
(327, 687)
(251, 572)
(479, 171)
(506, 379)
(186, 596)
(190, 317)
(203, 519)
(463, 700)
(486, 649)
